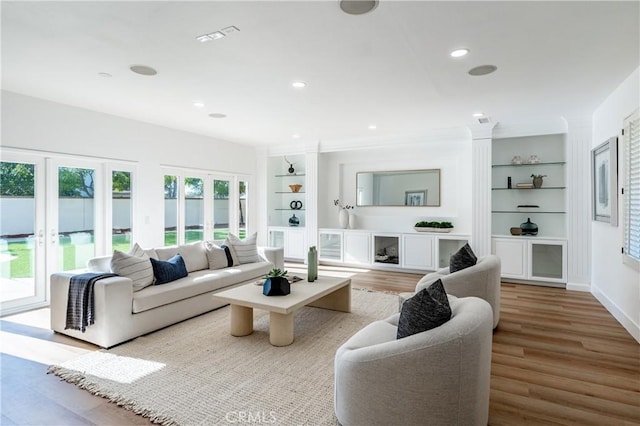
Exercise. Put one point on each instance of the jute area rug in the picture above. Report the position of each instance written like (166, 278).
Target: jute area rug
(196, 373)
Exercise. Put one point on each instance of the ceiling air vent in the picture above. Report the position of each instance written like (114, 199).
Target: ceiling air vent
(484, 120)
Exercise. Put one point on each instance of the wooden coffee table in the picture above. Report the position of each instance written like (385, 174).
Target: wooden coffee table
(325, 292)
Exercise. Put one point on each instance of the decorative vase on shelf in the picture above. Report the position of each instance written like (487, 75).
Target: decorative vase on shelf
(312, 264)
(352, 221)
(294, 221)
(529, 228)
(343, 218)
(537, 182)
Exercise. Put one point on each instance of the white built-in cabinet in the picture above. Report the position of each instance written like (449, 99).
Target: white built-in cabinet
(540, 258)
(292, 240)
(356, 248)
(419, 251)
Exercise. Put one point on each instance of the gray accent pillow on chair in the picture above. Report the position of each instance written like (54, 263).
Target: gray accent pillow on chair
(428, 309)
(462, 259)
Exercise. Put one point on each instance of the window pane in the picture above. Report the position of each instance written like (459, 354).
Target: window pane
(121, 211)
(75, 217)
(170, 209)
(194, 209)
(242, 216)
(220, 209)
(632, 190)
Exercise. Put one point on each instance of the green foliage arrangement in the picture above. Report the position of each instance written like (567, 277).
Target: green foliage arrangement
(435, 224)
(275, 272)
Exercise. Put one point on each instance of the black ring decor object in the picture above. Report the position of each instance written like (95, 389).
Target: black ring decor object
(295, 205)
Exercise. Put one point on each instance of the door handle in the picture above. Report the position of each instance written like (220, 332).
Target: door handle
(54, 236)
(40, 237)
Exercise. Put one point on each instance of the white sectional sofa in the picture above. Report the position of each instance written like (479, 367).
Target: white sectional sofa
(122, 314)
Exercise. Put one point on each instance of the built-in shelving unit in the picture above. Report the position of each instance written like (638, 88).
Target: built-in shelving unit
(541, 258)
(279, 200)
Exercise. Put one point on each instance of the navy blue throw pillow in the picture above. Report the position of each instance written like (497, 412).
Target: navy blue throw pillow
(170, 270)
(427, 309)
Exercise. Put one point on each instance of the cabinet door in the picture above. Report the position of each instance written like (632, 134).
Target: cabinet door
(294, 248)
(417, 252)
(548, 261)
(356, 247)
(276, 238)
(330, 246)
(513, 256)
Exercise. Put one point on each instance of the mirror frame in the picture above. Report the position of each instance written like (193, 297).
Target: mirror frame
(410, 190)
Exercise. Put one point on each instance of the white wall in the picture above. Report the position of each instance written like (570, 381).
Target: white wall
(337, 174)
(615, 284)
(36, 124)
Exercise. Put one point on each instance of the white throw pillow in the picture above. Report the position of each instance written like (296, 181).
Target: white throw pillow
(216, 256)
(134, 265)
(245, 250)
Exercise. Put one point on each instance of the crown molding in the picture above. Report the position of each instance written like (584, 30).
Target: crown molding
(552, 126)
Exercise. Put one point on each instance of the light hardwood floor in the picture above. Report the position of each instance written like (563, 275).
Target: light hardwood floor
(558, 358)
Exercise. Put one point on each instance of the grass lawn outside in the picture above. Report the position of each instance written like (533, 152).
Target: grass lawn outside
(75, 257)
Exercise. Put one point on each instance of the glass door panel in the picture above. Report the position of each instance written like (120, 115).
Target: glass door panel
(122, 210)
(220, 209)
(547, 261)
(170, 210)
(242, 212)
(194, 209)
(21, 234)
(76, 217)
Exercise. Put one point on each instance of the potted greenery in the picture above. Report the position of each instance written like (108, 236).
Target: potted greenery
(433, 226)
(276, 283)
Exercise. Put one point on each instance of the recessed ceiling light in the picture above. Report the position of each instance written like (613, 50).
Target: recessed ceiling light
(198, 104)
(217, 115)
(299, 84)
(482, 70)
(373, 127)
(229, 30)
(105, 74)
(295, 136)
(459, 53)
(478, 114)
(143, 70)
(358, 7)
(216, 35)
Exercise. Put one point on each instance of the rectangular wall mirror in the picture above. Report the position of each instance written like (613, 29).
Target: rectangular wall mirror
(411, 188)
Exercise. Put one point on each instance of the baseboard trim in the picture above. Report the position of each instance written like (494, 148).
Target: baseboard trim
(579, 287)
(618, 314)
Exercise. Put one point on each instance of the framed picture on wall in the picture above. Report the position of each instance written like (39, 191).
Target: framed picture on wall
(604, 181)
(415, 198)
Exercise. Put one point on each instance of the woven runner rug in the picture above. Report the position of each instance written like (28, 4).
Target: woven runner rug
(196, 373)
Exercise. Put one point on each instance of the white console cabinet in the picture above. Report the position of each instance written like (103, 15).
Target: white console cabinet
(532, 259)
(417, 251)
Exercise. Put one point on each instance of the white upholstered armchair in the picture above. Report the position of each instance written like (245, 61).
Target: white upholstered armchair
(436, 377)
(481, 280)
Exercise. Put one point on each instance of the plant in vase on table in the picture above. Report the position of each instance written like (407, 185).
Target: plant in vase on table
(343, 213)
(276, 283)
(433, 226)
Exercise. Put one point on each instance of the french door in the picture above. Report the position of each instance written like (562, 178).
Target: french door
(50, 209)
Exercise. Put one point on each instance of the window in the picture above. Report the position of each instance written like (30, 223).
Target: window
(170, 210)
(632, 190)
(121, 210)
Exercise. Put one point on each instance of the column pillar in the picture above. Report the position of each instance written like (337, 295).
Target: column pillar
(481, 135)
(578, 155)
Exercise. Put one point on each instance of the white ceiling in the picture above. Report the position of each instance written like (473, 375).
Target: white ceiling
(390, 67)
